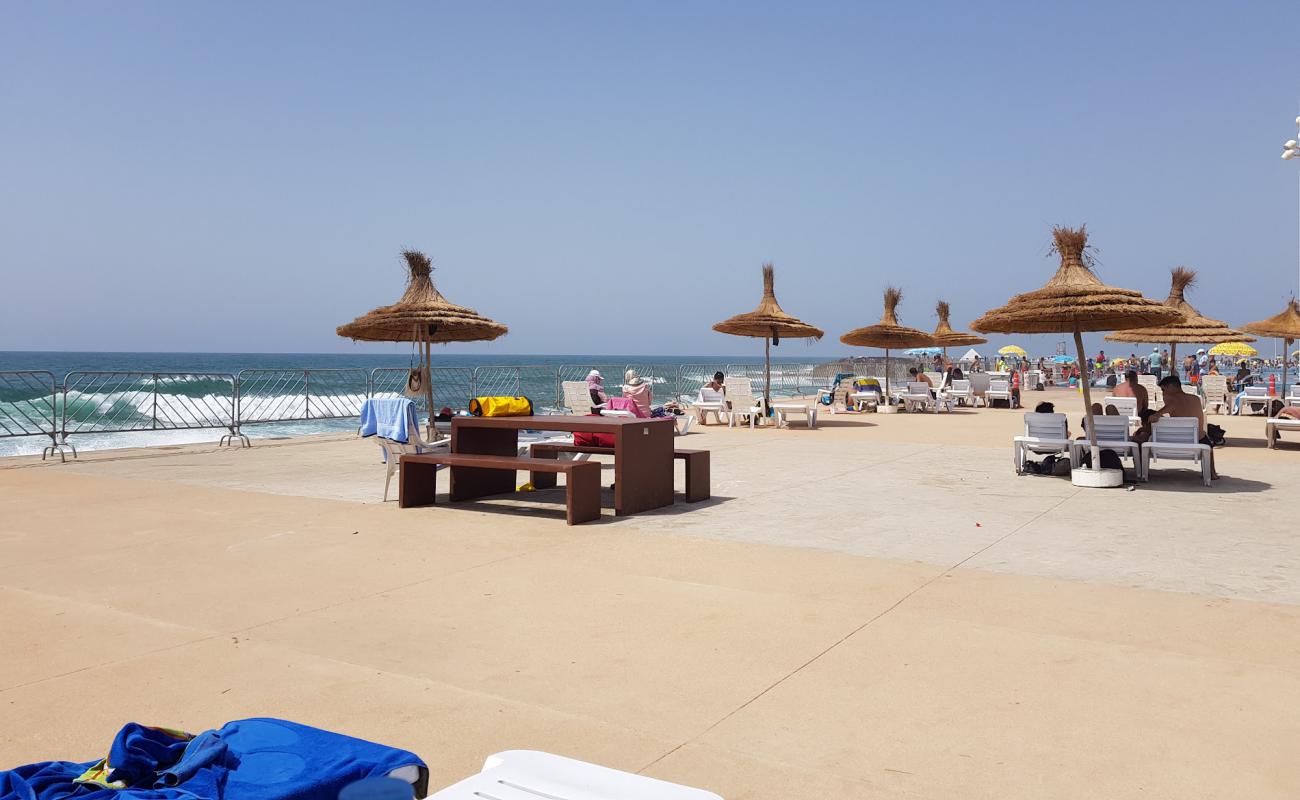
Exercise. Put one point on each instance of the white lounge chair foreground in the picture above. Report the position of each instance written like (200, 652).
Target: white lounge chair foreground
(1045, 434)
(1292, 395)
(1126, 406)
(917, 397)
(1112, 434)
(577, 397)
(533, 775)
(960, 391)
(1175, 439)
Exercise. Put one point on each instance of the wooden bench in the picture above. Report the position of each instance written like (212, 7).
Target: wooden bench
(697, 466)
(418, 482)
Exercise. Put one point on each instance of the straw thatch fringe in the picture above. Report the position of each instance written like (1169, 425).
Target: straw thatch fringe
(1285, 325)
(422, 314)
(888, 333)
(768, 321)
(1193, 328)
(945, 336)
(1075, 299)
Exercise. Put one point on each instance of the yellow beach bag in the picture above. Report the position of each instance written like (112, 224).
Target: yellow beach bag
(501, 407)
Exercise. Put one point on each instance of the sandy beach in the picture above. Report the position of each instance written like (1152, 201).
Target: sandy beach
(876, 608)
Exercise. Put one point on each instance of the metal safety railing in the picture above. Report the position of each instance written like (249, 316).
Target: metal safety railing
(36, 403)
(121, 402)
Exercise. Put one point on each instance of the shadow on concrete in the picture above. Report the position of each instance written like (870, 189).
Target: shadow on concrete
(549, 503)
(1178, 479)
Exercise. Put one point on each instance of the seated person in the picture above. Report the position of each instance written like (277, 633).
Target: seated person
(638, 391)
(1177, 404)
(596, 388)
(1049, 408)
(916, 376)
(1243, 375)
(718, 383)
(1131, 388)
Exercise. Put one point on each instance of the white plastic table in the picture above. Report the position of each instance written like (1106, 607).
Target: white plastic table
(533, 775)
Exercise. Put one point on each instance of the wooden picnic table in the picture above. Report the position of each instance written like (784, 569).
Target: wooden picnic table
(643, 455)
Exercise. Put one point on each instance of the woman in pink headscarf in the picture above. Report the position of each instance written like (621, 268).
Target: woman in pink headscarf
(596, 388)
(638, 391)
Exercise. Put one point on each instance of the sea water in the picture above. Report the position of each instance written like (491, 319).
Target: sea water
(132, 403)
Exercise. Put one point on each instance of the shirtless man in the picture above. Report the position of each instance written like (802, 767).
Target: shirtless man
(1131, 388)
(1178, 404)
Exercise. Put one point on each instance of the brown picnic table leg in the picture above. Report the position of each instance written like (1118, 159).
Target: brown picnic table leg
(417, 483)
(542, 480)
(468, 483)
(697, 477)
(643, 467)
(582, 493)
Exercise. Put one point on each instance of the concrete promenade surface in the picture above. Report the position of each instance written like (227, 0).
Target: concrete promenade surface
(878, 608)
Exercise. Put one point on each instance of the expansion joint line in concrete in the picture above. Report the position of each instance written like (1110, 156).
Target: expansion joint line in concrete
(817, 657)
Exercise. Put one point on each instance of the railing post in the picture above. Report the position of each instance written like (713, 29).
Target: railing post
(154, 415)
(306, 393)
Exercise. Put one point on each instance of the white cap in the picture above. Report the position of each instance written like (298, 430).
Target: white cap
(595, 373)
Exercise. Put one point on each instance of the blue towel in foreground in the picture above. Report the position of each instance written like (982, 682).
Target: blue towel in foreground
(250, 759)
(389, 417)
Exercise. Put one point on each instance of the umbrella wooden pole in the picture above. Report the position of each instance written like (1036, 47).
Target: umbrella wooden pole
(887, 401)
(1286, 356)
(767, 373)
(428, 387)
(1087, 403)
(1173, 358)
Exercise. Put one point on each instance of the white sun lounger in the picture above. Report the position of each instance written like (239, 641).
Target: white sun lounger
(917, 397)
(710, 401)
(961, 391)
(1216, 394)
(1175, 439)
(743, 402)
(1292, 395)
(1126, 406)
(782, 410)
(1112, 434)
(998, 390)
(1257, 398)
(577, 397)
(1045, 434)
(533, 775)
(1155, 397)
(1274, 425)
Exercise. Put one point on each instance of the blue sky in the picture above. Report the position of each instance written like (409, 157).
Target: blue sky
(609, 177)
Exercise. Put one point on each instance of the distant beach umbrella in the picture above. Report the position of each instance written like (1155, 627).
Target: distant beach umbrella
(944, 336)
(1284, 326)
(1012, 350)
(769, 323)
(1074, 301)
(1193, 328)
(888, 334)
(423, 317)
(1239, 349)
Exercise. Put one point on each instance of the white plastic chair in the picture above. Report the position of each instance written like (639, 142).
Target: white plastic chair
(393, 449)
(1032, 378)
(1292, 395)
(743, 403)
(533, 775)
(1177, 439)
(1274, 425)
(1112, 434)
(710, 401)
(1045, 434)
(998, 390)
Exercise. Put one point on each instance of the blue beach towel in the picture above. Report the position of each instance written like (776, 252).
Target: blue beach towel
(250, 759)
(389, 417)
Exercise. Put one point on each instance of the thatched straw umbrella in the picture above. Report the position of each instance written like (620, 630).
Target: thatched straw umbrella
(769, 323)
(1191, 329)
(1074, 301)
(1284, 326)
(944, 336)
(422, 316)
(888, 334)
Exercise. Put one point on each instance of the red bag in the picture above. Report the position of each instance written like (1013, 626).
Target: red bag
(584, 439)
